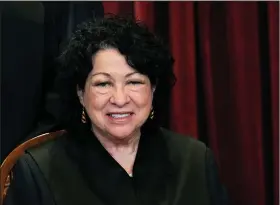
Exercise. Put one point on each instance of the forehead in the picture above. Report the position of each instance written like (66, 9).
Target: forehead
(110, 61)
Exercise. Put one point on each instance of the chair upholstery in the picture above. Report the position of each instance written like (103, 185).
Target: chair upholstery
(8, 164)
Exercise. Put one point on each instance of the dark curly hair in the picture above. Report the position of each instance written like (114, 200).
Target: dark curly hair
(143, 51)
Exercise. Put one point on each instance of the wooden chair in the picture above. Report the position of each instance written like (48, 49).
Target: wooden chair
(11, 159)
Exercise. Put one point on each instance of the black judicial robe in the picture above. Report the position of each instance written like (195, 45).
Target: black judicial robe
(169, 169)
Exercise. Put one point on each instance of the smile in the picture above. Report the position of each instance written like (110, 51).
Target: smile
(120, 116)
(123, 115)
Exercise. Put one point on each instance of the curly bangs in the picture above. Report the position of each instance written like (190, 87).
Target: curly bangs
(143, 50)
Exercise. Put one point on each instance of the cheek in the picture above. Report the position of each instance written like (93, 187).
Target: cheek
(143, 98)
(93, 100)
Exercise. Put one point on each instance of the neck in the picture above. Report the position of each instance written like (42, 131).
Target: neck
(112, 145)
(122, 150)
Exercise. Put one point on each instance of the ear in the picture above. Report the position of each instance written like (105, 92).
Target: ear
(80, 94)
(153, 91)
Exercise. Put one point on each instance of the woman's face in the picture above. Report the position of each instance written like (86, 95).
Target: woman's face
(116, 97)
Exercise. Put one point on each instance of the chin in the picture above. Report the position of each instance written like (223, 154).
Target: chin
(121, 132)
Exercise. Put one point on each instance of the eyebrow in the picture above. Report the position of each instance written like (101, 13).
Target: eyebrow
(108, 75)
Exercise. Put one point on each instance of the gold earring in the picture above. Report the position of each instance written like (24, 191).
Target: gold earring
(152, 114)
(83, 119)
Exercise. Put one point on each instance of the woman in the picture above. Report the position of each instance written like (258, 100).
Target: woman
(114, 152)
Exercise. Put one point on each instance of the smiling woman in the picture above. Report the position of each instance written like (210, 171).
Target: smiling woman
(116, 97)
(114, 152)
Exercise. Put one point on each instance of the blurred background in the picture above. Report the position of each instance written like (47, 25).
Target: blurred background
(226, 64)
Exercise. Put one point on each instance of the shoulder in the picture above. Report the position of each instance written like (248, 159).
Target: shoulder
(26, 165)
(27, 176)
(45, 153)
(49, 145)
(182, 143)
(185, 151)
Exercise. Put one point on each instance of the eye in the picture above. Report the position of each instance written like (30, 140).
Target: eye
(135, 82)
(102, 84)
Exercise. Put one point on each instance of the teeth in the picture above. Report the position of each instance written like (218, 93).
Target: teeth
(119, 115)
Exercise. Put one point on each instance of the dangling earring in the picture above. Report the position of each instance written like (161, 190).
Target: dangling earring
(83, 118)
(152, 114)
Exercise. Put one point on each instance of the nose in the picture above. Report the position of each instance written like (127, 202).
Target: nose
(119, 97)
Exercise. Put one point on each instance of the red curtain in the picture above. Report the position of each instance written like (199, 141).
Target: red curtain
(227, 68)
